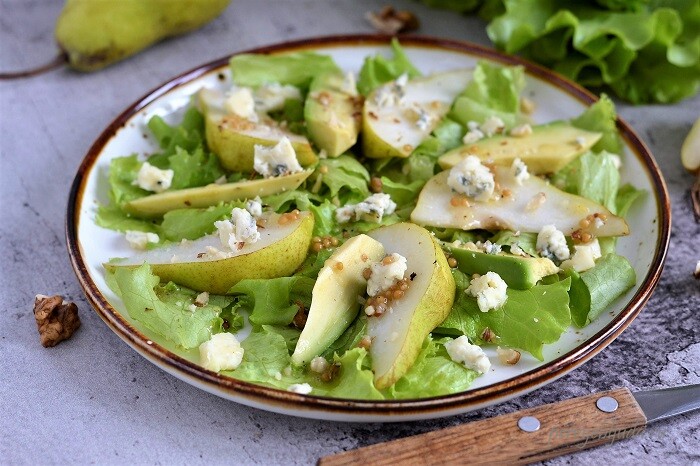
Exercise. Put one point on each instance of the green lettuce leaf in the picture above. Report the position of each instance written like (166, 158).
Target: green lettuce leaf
(187, 136)
(493, 91)
(165, 309)
(596, 289)
(297, 68)
(344, 174)
(274, 301)
(378, 70)
(433, 374)
(593, 176)
(645, 54)
(191, 224)
(265, 354)
(601, 117)
(112, 217)
(528, 319)
(627, 195)
(526, 241)
(193, 168)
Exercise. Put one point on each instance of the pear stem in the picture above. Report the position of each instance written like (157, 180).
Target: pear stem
(60, 60)
(695, 198)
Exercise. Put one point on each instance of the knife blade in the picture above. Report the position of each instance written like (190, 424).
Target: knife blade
(533, 434)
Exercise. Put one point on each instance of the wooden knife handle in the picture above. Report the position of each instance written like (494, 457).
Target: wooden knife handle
(564, 427)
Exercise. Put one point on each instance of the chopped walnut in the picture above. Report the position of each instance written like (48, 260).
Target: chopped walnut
(300, 317)
(56, 319)
(391, 21)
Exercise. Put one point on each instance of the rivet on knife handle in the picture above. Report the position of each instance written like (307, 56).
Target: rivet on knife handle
(564, 427)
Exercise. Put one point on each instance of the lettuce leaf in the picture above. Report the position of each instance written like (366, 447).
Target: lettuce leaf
(296, 69)
(191, 224)
(596, 289)
(528, 319)
(433, 374)
(493, 91)
(593, 176)
(164, 309)
(344, 174)
(274, 301)
(378, 70)
(645, 54)
(601, 117)
(188, 135)
(265, 354)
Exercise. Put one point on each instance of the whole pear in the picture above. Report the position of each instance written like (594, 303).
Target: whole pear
(97, 33)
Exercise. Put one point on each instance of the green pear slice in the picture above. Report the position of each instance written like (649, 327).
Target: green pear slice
(204, 265)
(549, 148)
(205, 196)
(398, 334)
(332, 113)
(518, 272)
(393, 130)
(526, 208)
(233, 138)
(334, 303)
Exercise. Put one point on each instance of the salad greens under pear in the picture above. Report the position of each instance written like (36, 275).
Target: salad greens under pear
(268, 313)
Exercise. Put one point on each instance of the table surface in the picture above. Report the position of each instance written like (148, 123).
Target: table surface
(93, 399)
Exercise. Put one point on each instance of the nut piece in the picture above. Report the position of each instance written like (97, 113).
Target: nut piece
(390, 21)
(56, 319)
(508, 356)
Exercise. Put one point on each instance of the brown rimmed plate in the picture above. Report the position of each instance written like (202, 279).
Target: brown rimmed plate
(556, 98)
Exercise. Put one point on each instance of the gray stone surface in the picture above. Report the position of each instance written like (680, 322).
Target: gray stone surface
(94, 400)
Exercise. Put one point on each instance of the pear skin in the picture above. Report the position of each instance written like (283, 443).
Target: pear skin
(281, 249)
(397, 335)
(94, 34)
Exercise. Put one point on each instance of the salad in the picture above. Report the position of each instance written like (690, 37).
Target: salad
(365, 236)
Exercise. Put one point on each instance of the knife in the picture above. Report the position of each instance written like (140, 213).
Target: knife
(533, 434)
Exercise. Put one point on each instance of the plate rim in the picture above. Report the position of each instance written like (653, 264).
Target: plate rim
(275, 399)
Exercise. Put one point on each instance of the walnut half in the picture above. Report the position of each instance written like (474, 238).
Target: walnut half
(56, 319)
(391, 21)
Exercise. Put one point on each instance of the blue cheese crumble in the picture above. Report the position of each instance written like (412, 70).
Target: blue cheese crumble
(301, 388)
(140, 239)
(518, 171)
(371, 209)
(223, 352)
(239, 230)
(240, 102)
(385, 273)
(471, 178)
(278, 160)
(254, 206)
(153, 178)
(489, 290)
(470, 356)
(271, 97)
(551, 243)
(584, 256)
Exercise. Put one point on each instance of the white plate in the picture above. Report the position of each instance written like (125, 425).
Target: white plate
(556, 98)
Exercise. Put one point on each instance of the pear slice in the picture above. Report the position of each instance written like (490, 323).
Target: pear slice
(334, 303)
(233, 138)
(527, 208)
(690, 150)
(398, 334)
(203, 265)
(393, 127)
(332, 111)
(205, 196)
(549, 148)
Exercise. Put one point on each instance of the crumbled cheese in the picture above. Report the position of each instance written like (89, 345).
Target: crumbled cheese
(221, 180)
(210, 253)
(472, 125)
(240, 102)
(222, 352)
(386, 274)
(192, 307)
(580, 141)
(153, 178)
(240, 229)
(472, 178)
(471, 356)
(492, 125)
(140, 239)
(517, 250)
(371, 209)
(277, 160)
(521, 131)
(278, 375)
(518, 171)
(254, 206)
(598, 222)
(349, 85)
(489, 247)
(202, 299)
(423, 120)
(271, 97)
(489, 291)
(551, 243)
(318, 365)
(301, 388)
(391, 94)
(472, 136)
(584, 256)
